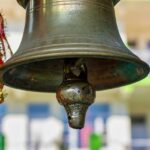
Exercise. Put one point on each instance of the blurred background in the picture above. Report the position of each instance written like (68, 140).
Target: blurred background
(120, 118)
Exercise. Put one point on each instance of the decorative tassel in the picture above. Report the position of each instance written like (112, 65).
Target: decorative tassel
(5, 52)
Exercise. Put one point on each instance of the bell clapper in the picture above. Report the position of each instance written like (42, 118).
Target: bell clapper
(75, 93)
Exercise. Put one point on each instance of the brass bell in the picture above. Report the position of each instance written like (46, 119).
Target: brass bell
(74, 48)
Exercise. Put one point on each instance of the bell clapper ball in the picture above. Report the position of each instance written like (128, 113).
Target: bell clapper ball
(75, 93)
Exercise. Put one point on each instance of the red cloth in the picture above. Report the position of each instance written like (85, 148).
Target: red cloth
(1, 62)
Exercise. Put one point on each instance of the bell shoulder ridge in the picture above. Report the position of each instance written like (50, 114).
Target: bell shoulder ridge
(24, 3)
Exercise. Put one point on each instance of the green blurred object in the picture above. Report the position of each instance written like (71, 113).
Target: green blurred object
(131, 88)
(96, 142)
(2, 142)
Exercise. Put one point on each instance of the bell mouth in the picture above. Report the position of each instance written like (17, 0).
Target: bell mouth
(44, 73)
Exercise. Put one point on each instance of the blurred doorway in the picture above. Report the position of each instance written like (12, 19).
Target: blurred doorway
(139, 133)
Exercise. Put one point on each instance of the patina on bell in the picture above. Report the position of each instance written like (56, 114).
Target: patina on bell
(72, 47)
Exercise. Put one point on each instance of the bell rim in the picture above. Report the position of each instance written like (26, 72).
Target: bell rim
(56, 51)
(124, 58)
(24, 3)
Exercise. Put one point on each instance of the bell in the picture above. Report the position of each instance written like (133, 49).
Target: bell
(74, 48)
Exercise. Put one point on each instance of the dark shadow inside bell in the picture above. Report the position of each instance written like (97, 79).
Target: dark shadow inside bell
(47, 75)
